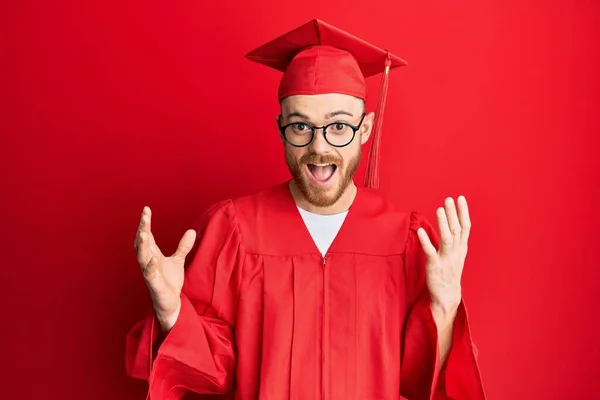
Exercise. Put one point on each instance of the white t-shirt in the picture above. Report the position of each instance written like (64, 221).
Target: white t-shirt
(323, 228)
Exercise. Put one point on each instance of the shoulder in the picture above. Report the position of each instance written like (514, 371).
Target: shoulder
(263, 204)
(381, 207)
(220, 214)
(376, 207)
(262, 197)
(245, 204)
(378, 225)
(248, 213)
(387, 217)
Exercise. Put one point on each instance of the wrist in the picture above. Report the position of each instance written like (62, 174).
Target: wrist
(448, 300)
(168, 320)
(444, 313)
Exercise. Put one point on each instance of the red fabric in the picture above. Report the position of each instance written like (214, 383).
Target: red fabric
(319, 58)
(334, 61)
(265, 316)
(323, 69)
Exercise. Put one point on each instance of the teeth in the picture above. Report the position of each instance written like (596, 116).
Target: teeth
(322, 165)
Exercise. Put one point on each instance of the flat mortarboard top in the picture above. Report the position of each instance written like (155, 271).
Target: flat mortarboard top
(318, 58)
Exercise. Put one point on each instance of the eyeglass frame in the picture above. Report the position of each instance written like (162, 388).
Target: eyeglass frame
(313, 129)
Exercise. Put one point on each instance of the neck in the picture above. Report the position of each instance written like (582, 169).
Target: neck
(343, 203)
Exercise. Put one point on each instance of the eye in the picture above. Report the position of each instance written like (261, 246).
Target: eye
(300, 127)
(339, 127)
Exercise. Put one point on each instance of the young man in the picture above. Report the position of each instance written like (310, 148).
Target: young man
(313, 289)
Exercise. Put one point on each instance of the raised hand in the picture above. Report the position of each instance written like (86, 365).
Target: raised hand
(164, 275)
(444, 267)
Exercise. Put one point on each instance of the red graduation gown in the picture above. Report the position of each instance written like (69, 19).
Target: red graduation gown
(265, 316)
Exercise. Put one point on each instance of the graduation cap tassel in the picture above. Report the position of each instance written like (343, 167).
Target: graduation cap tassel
(372, 174)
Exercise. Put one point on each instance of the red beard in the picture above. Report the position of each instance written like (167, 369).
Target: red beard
(317, 195)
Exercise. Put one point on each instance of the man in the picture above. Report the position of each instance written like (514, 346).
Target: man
(316, 288)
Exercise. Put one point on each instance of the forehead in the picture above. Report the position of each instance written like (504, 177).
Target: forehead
(318, 105)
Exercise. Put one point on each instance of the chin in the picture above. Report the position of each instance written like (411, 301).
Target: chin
(320, 194)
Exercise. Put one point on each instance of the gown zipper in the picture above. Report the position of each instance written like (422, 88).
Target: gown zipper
(323, 330)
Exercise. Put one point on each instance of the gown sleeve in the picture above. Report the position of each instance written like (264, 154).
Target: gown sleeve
(197, 355)
(422, 376)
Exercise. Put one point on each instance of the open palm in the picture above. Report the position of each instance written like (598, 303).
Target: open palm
(164, 275)
(445, 266)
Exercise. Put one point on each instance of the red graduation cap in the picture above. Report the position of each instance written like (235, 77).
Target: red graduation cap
(318, 58)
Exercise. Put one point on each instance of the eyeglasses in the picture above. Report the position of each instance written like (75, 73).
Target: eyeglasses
(337, 134)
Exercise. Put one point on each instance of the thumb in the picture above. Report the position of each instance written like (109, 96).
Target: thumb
(426, 244)
(185, 244)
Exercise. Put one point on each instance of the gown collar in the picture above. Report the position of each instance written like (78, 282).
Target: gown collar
(301, 238)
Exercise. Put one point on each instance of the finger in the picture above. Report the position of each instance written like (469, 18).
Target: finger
(144, 224)
(446, 239)
(453, 221)
(465, 219)
(146, 219)
(426, 244)
(143, 249)
(185, 244)
(143, 237)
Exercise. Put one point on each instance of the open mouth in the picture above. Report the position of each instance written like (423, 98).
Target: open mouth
(322, 173)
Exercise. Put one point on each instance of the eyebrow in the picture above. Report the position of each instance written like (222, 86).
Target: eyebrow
(338, 112)
(327, 116)
(297, 114)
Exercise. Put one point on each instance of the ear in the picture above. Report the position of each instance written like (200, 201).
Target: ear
(366, 128)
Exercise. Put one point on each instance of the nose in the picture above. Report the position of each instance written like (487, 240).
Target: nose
(319, 145)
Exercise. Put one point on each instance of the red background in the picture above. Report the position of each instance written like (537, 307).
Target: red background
(107, 107)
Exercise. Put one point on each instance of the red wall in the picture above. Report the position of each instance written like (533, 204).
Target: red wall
(107, 107)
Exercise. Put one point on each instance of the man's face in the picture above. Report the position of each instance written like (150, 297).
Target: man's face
(321, 171)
